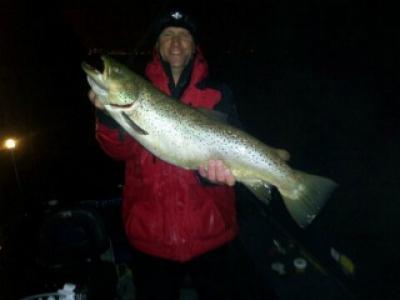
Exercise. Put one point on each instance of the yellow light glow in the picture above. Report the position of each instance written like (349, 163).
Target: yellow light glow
(10, 144)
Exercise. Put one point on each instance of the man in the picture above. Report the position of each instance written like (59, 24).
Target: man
(178, 221)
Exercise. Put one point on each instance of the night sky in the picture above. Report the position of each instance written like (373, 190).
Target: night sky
(320, 80)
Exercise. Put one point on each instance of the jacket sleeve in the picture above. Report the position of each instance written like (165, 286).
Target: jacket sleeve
(113, 139)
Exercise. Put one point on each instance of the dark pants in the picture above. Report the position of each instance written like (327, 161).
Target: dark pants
(224, 273)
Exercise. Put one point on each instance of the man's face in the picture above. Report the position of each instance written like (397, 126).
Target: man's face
(176, 46)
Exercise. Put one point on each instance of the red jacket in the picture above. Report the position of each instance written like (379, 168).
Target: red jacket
(167, 211)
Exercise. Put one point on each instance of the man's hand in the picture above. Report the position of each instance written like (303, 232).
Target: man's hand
(217, 172)
(95, 100)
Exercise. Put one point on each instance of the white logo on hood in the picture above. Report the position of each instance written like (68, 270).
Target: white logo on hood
(176, 15)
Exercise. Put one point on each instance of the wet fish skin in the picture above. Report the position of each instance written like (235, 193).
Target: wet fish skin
(188, 137)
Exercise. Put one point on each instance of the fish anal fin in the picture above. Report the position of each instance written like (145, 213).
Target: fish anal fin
(261, 189)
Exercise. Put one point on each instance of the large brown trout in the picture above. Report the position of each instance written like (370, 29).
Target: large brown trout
(188, 138)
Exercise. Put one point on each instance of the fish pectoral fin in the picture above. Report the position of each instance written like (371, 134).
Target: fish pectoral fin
(261, 189)
(133, 125)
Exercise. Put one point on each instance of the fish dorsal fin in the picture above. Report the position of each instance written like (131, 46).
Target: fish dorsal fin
(214, 115)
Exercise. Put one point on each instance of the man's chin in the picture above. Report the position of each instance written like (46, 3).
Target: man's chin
(178, 62)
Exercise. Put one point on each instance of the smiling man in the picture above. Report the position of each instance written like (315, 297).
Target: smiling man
(178, 221)
(176, 47)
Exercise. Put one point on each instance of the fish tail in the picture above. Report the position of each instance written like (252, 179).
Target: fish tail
(308, 196)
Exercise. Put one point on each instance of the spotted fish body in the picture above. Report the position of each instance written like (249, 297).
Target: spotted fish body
(188, 138)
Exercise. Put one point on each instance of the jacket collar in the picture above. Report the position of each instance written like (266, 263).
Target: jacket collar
(160, 76)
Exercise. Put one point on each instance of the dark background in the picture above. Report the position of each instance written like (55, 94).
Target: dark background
(319, 80)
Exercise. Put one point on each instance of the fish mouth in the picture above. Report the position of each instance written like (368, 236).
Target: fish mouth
(90, 70)
(98, 75)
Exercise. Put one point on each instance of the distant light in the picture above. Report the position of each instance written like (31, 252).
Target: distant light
(10, 144)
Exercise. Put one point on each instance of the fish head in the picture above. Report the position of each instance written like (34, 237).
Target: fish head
(114, 85)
